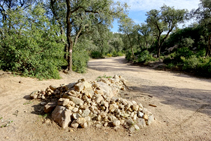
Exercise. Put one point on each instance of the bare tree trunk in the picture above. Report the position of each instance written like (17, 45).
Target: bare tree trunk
(158, 51)
(69, 40)
(208, 50)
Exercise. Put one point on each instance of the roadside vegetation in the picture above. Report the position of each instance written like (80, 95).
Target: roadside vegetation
(38, 39)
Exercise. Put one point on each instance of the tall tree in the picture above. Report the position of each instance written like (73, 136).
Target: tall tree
(203, 15)
(127, 27)
(164, 20)
(82, 17)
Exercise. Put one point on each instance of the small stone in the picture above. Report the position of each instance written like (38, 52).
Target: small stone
(140, 114)
(76, 100)
(34, 95)
(136, 127)
(75, 116)
(98, 125)
(99, 118)
(145, 117)
(105, 124)
(81, 122)
(88, 118)
(151, 119)
(116, 123)
(63, 101)
(132, 129)
(84, 125)
(52, 87)
(113, 107)
(122, 122)
(141, 122)
(48, 121)
(75, 110)
(85, 113)
(74, 124)
(43, 103)
(135, 107)
(49, 107)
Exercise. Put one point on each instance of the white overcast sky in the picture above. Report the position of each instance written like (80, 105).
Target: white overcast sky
(138, 8)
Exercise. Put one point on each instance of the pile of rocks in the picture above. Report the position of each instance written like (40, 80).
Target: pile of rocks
(83, 104)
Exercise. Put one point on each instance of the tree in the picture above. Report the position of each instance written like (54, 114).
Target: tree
(127, 27)
(164, 20)
(146, 33)
(203, 15)
(82, 17)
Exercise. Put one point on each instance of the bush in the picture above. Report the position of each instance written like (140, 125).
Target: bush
(96, 54)
(36, 50)
(80, 60)
(143, 56)
(190, 63)
(128, 56)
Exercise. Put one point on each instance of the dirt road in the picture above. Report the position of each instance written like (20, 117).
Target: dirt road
(183, 103)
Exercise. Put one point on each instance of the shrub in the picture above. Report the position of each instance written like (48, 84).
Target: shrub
(191, 63)
(32, 48)
(143, 56)
(96, 54)
(128, 56)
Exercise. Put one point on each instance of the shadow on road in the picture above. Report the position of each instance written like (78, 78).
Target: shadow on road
(183, 98)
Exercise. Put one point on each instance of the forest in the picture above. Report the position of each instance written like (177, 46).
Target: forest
(39, 38)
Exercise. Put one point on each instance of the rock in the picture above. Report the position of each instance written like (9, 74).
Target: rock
(76, 100)
(74, 124)
(49, 107)
(141, 122)
(116, 123)
(63, 101)
(80, 87)
(105, 124)
(34, 95)
(98, 125)
(145, 116)
(136, 127)
(135, 107)
(129, 122)
(75, 116)
(43, 103)
(61, 115)
(132, 129)
(52, 87)
(113, 107)
(140, 114)
(75, 110)
(99, 98)
(85, 113)
(82, 122)
(151, 119)
(84, 125)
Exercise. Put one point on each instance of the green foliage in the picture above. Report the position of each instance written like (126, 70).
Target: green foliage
(143, 56)
(80, 58)
(104, 76)
(128, 56)
(170, 65)
(96, 54)
(32, 46)
(190, 63)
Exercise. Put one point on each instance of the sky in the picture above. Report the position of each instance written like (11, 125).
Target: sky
(138, 9)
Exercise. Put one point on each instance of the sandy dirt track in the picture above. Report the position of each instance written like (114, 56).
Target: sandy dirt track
(183, 103)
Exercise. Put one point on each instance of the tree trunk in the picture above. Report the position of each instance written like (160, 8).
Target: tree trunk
(69, 40)
(158, 51)
(208, 50)
(132, 53)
